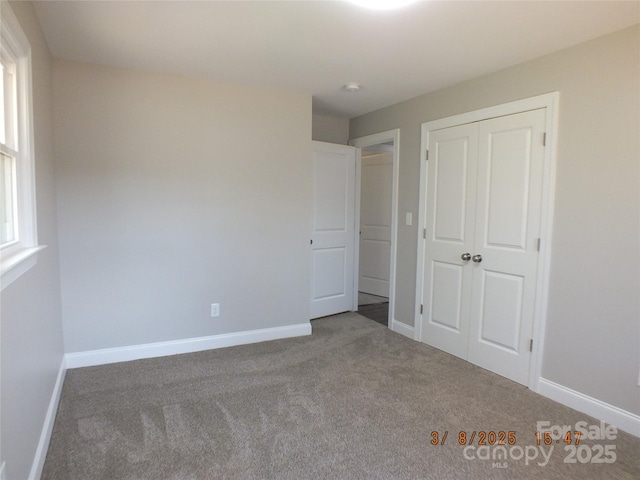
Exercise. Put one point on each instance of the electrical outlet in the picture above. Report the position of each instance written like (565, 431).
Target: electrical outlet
(215, 310)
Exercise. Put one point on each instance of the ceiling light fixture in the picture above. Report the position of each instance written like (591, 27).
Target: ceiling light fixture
(382, 4)
(352, 87)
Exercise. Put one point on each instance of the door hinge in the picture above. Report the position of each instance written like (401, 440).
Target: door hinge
(426, 155)
(531, 345)
(421, 308)
(538, 244)
(544, 139)
(424, 233)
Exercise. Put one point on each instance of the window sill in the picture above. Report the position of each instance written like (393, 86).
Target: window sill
(17, 264)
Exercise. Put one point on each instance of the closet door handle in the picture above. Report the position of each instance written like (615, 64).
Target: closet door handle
(466, 257)
(476, 258)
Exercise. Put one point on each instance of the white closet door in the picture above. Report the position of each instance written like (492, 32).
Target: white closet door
(484, 191)
(507, 226)
(333, 234)
(451, 192)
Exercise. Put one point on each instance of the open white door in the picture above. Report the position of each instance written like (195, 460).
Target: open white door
(333, 235)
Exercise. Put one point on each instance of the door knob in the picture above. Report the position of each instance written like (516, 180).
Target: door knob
(476, 258)
(465, 256)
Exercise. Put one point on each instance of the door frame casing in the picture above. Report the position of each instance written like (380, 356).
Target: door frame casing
(360, 143)
(550, 102)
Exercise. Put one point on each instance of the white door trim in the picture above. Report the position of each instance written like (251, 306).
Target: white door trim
(550, 103)
(359, 143)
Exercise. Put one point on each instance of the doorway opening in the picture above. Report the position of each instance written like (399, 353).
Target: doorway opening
(376, 226)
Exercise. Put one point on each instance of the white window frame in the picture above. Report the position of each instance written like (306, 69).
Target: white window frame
(16, 258)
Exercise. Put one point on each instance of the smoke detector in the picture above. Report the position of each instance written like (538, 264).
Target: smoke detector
(352, 87)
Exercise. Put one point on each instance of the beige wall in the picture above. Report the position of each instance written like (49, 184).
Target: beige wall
(593, 328)
(31, 326)
(175, 193)
(327, 128)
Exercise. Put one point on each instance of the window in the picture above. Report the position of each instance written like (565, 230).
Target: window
(8, 215)
(18, 233)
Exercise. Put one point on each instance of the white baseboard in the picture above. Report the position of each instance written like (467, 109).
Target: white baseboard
(402, 328)
(189, 345)
(47, 426)
(627, 421)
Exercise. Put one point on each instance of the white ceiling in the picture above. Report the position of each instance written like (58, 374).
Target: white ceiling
(315, 47)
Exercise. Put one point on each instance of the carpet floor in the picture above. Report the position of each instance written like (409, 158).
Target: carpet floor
(352, 401)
